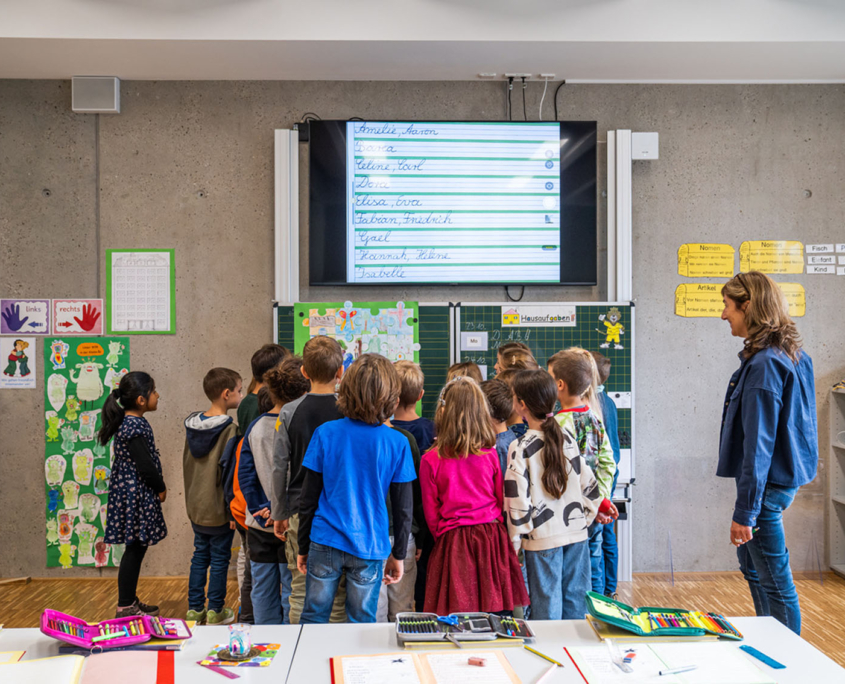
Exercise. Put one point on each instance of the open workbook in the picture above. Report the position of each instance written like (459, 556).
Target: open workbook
(423, 668)
(715, 663)
(58, 670)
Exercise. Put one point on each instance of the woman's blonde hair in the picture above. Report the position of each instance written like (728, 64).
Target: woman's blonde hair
(516, 358)
(462, 421)
(767, 315)
(577, 368)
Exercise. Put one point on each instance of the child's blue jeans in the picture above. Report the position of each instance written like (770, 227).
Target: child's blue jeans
(212, 551)
(596, 532)
(610, 551)
(558, 582)
(270, 593)
(325, 568)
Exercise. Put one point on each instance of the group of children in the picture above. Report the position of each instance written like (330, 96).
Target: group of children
(351, 507)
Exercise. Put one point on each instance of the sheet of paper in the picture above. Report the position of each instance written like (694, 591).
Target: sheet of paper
(453, 667)
(821, 270)
(699, 300)
(596, 665)
(126, 667)
(703, 260)
(19, 359)
(772, 256)
(719, 663)
(58, 670)
(795, 298)
(397, 668)
(819, 249)
(11, 656)
(141, 287)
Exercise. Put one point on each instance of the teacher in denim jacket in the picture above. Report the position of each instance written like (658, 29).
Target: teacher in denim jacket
(769, 440)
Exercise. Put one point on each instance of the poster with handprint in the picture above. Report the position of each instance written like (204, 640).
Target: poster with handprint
(77, 467)
(17, 355)
(77, 316)
(24, 316)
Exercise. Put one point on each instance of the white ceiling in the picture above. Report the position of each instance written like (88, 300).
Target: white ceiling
(580, 40)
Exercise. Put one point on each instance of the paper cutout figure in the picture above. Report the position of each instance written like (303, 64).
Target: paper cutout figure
(53, 500)
(56, 391)
(614, 328)
(65, 519)
(117, 551)
(113, 378)
(18, 360)
(54, 469)
(89, 507)
(115, 350)
(70, 494)
(72, 407)
(99, 451)
(87, 535)
(59, 351)
(66, 552)
(89, 387)
(83, 462)
(52, 531)
(88, 425)
(53, 425)
(104, 511)
(102, 476)
(69, 436)
(101, 553)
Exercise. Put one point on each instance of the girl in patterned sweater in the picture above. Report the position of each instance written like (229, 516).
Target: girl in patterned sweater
(136, 489)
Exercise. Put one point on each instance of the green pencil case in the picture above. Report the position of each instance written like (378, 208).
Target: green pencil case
(648, 620)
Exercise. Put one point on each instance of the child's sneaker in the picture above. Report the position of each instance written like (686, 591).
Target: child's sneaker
(197, 616)
(131, 611)
(224, 617)
(152, 611)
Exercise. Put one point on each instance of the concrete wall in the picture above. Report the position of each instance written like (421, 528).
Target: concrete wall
(190, 166)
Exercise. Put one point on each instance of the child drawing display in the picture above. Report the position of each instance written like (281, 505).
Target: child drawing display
(387, 328)
(76, 468)
(18, 364)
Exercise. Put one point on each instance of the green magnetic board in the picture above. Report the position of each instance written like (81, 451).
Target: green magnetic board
(434, 340)
(589, 332)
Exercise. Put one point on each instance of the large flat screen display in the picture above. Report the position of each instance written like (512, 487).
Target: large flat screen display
(411, 202)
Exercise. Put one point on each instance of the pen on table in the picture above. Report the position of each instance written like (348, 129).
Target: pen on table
(678, 670)
(542, 655)
(543, 677)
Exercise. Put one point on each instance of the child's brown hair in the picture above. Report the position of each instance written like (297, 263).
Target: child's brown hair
(462, 420)
(577, 368)
(603, 366)
(218, 380)
(412, 379)
(322, 357)
(286, 382)
(499, 399)
(465, 368)
(369, 391)
(510, 346)
(517, 358)
(269, 356)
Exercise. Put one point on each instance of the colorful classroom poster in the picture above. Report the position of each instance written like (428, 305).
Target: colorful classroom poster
(772, 256)
(702, 260)
(24, 316)
(387, 328)
(79, 374)
(141, 287)
(19, 362)
(77, 316)
(700, 300)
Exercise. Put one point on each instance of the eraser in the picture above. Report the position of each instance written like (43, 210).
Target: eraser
(475, 660)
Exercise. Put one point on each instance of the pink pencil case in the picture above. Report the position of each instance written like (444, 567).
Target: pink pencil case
(122, 631)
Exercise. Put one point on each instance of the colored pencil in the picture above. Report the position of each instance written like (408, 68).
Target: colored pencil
(542, 655)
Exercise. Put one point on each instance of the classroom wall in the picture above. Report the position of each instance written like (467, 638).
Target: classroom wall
(189, 165)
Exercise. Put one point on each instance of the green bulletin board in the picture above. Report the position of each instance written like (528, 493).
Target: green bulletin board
(79, 373)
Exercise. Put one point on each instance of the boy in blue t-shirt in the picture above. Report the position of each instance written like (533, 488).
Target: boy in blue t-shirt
(350, 466)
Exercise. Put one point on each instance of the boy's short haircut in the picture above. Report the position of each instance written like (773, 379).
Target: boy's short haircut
(412, 379)
(265, 401)
(286, 382)
(218, 380)
(467, 368)
(499, 398)
(322, 357)
(369, 391)
(269, 356)
(603, 364)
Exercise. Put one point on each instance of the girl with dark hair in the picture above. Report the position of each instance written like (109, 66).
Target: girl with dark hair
(551, 498)
(137, 489)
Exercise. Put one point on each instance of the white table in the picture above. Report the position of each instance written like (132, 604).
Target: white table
(37, 645)
(318, 643)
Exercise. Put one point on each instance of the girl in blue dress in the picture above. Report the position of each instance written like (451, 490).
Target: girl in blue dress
(137, 488)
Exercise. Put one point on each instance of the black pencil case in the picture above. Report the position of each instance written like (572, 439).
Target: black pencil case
(469, 627)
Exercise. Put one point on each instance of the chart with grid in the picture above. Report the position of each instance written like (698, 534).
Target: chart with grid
(589, 332)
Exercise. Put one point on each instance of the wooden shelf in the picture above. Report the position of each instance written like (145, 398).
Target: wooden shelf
(838, 499)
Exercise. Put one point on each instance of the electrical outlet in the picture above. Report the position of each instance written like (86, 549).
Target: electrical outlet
(549, 77)
(515, 76)
(487, 75)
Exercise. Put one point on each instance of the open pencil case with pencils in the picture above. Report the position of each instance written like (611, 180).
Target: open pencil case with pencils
(646, 621)
(459, 627)
(117, 633)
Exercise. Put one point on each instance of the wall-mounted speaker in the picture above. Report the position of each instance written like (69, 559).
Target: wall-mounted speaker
(96, 95)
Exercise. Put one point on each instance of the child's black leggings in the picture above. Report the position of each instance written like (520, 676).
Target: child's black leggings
(128, 573)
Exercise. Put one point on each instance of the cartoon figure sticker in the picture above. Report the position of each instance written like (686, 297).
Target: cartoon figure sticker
(24, 316)
(71, 406)
(87, 535)
(66, 552)
(115, 350)
(56, 391)
(88, 425)
(70, 494)
(65, 519)
(77, 316)
(58, 353)
(113, 378)
(83, 462)
(18, 357)
(53, 424)
(102, 475)
(101, 553)
(89, 387)
(69, 437)
(52, 531)
(89, 507)
(54, 468)
(613, 327)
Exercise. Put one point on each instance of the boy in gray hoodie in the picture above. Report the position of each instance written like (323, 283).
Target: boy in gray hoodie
(206, 436)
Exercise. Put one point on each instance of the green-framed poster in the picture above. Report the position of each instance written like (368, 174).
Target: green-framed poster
(140, 292)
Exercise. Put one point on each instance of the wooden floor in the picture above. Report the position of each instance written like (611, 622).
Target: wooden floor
(94, 599)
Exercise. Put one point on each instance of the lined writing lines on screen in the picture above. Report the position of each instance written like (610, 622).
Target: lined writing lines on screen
(435, 202)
